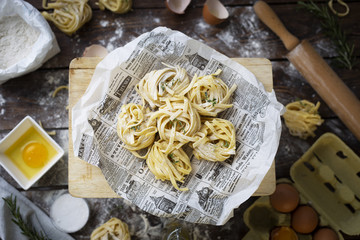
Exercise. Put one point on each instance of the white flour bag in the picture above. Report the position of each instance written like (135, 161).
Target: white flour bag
(26, 39)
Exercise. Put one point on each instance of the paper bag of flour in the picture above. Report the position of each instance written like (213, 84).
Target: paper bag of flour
(26, 39)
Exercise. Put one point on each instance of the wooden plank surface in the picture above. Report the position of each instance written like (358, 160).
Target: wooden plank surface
(241, 35)
(86, 180)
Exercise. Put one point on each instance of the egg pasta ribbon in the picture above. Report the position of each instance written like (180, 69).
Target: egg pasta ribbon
(216, 140)
(113, 229)
(163, 83)
(68, 15)
(181, 112)
(116, 6)
(177, 121)
(209, 94)
(168, 163)
(134, 129)
(302, 118)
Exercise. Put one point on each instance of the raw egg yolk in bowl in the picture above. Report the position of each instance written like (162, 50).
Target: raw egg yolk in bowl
(31, 153)
(35, 154)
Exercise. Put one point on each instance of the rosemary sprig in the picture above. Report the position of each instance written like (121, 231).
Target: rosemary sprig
(333, 30)
(26, 228)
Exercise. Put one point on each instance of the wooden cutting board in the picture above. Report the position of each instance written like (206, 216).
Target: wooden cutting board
(86, 180)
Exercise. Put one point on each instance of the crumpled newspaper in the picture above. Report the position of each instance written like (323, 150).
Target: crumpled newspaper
(215, 188)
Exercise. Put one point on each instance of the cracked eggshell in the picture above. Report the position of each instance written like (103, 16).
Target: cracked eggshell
(214, 12)
(177, 6)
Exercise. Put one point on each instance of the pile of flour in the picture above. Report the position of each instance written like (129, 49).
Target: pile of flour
(16, 40)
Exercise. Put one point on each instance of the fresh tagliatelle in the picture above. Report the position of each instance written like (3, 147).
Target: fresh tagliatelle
(302, 118)
(116, 6)
(209, 94)
(133, 128)
(161, 84)
(177, 121)
(347, 10)
(68, 15)
(114, 229)
(168, 164)
(216, 140)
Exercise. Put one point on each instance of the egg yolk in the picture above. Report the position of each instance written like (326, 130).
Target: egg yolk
(35, 154)
(283, 233)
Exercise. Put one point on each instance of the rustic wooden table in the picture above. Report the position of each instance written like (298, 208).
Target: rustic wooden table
(242, 35)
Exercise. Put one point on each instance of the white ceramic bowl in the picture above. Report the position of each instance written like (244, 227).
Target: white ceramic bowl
(12, 137)
(69, 214)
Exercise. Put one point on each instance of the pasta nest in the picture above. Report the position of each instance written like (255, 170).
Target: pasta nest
(168, 164)
(116, 6)
(177, 105)
(114, 229)
(68, 15)
(177, 121)
(302, 118)
(216, 140)
(134, 129)
(209, 94)
(160, 84)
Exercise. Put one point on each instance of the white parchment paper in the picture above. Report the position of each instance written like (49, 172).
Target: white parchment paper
(215, 188)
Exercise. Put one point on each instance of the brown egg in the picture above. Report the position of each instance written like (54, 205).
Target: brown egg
(285, 198)
(283, 233)
(304, 219)
(214, 12)
(325, 234)
(95, 50)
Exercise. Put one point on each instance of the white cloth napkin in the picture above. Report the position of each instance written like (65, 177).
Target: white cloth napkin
(29, 212)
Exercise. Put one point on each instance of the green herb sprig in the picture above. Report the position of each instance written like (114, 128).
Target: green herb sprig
(333, 30)
(213, 101)
(171, 156)
(26, 228)
(137, 127)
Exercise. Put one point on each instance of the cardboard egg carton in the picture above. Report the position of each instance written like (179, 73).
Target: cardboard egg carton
(327, 178)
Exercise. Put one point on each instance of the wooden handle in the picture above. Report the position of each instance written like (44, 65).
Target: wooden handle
(270, 19)
(328, 85)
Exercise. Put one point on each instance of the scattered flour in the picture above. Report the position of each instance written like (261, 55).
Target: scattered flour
(244, 36)
(202, 26)
(119, 32)
(111, 43)
(2, 100)
(114, 41)
(16, 40)
(76, 40)
(228, 38)
(104, 23)
(325, 47)
(54, 78)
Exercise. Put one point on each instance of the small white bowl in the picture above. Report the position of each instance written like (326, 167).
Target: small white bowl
(11, 138)
(69, 214)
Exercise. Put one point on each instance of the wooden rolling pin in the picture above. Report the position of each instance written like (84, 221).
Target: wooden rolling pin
(315, 70)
